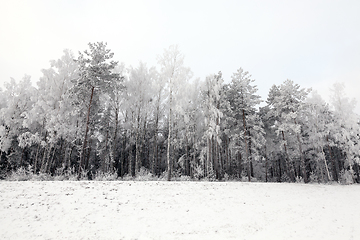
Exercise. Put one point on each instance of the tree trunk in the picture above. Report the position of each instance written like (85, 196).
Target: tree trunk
(215, 157)
(48, 159)
(66, 155)
(193, 157)
(87, 160)
(169, 162)
(280, 172)
(220, 160)
(106, 158)
(250, 154)
(36, 158)
(302, 160)
(239, 160)
(144, 160)
(209, 156)
(266, 166)
(52, 161)
(44, 162)
(155, 156)
(226, 160)
(335, 165)
(114, 143)
(122, 161)
(131, 161)
(326, 166)
(82, 156)
(187, 158)
(22, 156)
(246, 147)
(290, 169)
(137, 153)
(155, 169)
(216, 149)
(137, 143)
(231, 165)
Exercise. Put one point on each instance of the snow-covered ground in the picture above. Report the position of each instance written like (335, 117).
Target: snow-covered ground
(178, 210)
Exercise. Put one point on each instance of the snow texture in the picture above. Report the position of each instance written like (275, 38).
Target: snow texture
(178, 210)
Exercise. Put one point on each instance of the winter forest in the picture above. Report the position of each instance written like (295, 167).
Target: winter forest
(91, 116)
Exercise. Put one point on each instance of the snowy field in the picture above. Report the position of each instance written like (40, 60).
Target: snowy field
(178, 210)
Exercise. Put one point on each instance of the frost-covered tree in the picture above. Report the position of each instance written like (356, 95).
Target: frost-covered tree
(212, 90)
(175, 74)
(95, 116)
(247, 129)
(96, 76)
(158, 86)
(286, 103)
(346, 129)
(115, 102)
(190, 126)
(318, 122)
(139, 95)
(19, 99)
(50, 121)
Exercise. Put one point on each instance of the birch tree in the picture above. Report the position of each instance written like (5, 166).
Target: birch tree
(173, 71)
(317, 128)
(52, 112)
(158, 86)
(139, 97)
(212, 89)
(190, 125)
(346, 129)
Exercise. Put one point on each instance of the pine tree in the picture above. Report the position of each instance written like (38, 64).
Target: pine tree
(286, 103)
(96, 76)
(248, 129)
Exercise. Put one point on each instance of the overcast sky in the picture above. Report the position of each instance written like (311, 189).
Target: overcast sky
(314, 43)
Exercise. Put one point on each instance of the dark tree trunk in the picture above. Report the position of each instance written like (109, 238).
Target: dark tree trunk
(226, 160)
(168, 157)
(187, 157)
(87, 160)
(137, 154)
(114, 143)
(335, 166)
(131, 161)
(246, 147)
(266, 166)
(154, 166)
(122, 161)
(302, 160)
(289, 167)
(82, 156)
(36, 158)
(239, 161)
(336, 162)
(209, 156)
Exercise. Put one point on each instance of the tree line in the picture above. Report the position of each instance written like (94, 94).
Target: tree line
(91, 114)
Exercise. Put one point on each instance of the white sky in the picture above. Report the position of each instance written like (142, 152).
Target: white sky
(314, 43)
